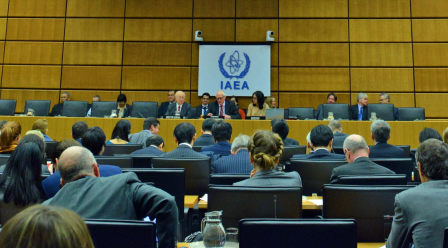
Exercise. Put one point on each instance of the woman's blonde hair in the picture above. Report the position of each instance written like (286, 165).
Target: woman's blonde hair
(10, 131)
(445, 136)
(40, 125)
(269, 101)
(265, 148)
(45, 226)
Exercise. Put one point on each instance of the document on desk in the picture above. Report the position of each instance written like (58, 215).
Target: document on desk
(204, 198)
(384, 246)
(318, 202)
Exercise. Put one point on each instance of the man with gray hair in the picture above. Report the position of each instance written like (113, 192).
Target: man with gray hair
(223, 107)
(121, 197)
(384, 98)
(381, 134)
(180, 107)
(151, 127)
(239, 161)
(57, 109)
(338, 136)
(359, 111)
(357, 154)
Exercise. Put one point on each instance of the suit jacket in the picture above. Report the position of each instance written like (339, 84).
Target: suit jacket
(354, 112)
(235, 164)
(121, 197)
(320, 154)
(127, 111)
(339, 138)
(57, 109)
(140, 138)
(163, 108)
(184, 111)
(199, 111)
(290, 142)
(229, 109)
(183, 151)
(52, 183)
(204, 140)
(273, 178)
(360, 167)
(150, 150)
(395, 113)
(384, 150)
(221, 148)
(319, 113)
(420, 216)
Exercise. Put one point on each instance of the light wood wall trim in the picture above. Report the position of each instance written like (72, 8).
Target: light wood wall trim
(430, 54)
(314, 54)
(214, 9)
(89, 8)
(381, 54)
(220, 30)
(380, 30)
(431, 79)
(4, 8)
(314, 79)
(94, 29)
(382, 79)
(430, 30)
(313, 9)
(87, 95)
(313, 30)
(435, 104)
(254, 30)
(37, 76)
(22, 95)
(257, 8)
(91, 77)
(156, 78)
(37, 29)
(174, 54)
(308, 100)
(39, 53)
(429, 8)
(158, 30)
(157, 8)
(92, 53)
(400, 100)
(379, 8)
(40, 8)
(151, 96)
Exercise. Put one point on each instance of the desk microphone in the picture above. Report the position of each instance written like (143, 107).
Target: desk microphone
(275, 206)
(92, 109)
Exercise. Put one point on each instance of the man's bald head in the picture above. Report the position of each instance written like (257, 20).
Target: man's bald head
(75, 162)
(356, 145)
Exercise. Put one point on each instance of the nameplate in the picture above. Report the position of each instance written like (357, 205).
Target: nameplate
(255, 117)
(169, 117)
(177, 117)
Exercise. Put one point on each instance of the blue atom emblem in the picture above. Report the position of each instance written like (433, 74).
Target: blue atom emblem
(234, 62)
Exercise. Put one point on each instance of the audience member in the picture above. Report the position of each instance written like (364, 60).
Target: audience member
(42, 126)
(202, 109)
(94, 139)
(445, 136)
(96, 98)
(121, 196)
(223, 107)
(120, 134)
(331, 98)
(381, 134)
(321, 141)
(270, 101)
(384, 98)
(151, 126)
(222, 133)
(57, 109)
(164, 105)
(35, 132)
(357, 154)
(78, 130)
(239, 161)
(234, 99)
(180, 108)
(206, 138)
(59, 148)
(429, 133)
(308, 143)
(154, 147)
(338, 136)
(123, 109)
(258, 106)
(281, 128)
(46, 226)
(2, 123)
(359, 111)
(184, 136)
(10, 137)
(265, 149)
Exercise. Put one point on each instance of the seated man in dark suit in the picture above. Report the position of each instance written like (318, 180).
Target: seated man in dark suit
(384, 98)
(357, 154)
(206, 139)
(338, 136)
(223, 107)
(57, 108)
(154, 147)
(381, 134)
(96, 98)
(203, 108)
(184, 136)
(121, 197)
(281, 128)
(150, 127)
(331, 98)
(78, 130)
(164, 105)
(222, 133)
(420, 213)
(180, 108)
(359, 111)
(239, 161)
(321, 142)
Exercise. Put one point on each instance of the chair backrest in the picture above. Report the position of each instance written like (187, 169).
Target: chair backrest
(286, 115)
(193, 113)
(227, 179)
(4, 158)
(100, 109)
(144, 109)
(406, 149)
(303, 233)
(7, 107)
(397, 165)
(302, 113)
(411, 114)
(141, 161)
(110, 150)
(338, 150)
(314, 174)
(289, 151)
(197, 148)
(254, 202)
(197, 172)
(40, 107)
(383, 111)
(122, 162)
(445, 239)
(340, 110)
(74, 109)
(122, 233)
(374, 180)
(366, 204)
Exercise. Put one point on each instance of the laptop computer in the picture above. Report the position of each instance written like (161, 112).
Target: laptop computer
(275, 113)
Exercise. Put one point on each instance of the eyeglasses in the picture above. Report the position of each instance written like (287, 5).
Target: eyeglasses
(206, 99)
(219, 98)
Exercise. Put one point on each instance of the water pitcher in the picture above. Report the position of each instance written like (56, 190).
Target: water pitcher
(212, 230)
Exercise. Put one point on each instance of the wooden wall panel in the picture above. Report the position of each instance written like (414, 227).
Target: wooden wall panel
(22, 95)
(431, 80)
(96, 29)
(89, 8)
(257, 8)
(308, 100)
(220, 30)
(30, 76)
(4, 7)
(429, 8)
(156, 78)
(315, 8)
(400, 100)
(43, 53)
(255, 29)
(380, 30)
(158, 30)
(382, 79)
(37, 8)
(430, 54)
(311, 30)
(435, 104)
(159, 8)
(91, 77)
(3, 28)
(214, 9)
(379, 8)
(313, 54)
(48, 29)
(425, 30)
(274, 54)
(87, 95)
(274, 79)
(314, 79)
(92, 53)
(381, 54)
(152, 96)
(157, 54)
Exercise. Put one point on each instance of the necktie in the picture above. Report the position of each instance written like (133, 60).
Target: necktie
(204, 110)
(221, 111)
(178, 108)
(360, 114)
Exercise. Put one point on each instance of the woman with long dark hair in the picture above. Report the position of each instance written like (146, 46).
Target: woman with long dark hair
(120, 134)
(258, 106)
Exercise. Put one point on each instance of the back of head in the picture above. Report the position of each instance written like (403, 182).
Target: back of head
(94, 139)
(2, 123)
(355, 143)
(154, 140)
(265, 148)
(36, 132)
(432, 155)
(207, 125)
(122, 98)
(269, 101)
(60, 147)
(321, 136)
(36, 139)
(380, 130)
(10, 131)
(240, 142)
(46, 226)
(429, 133)
(222, 131)
(281, 128)
(150, 121)
(184, 132)
(78, 129)
(122, 130)
(335, 126)
(40, 125)
(445, 136)
(75, 162)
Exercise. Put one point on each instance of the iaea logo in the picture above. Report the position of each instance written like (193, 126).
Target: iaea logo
(234, 65)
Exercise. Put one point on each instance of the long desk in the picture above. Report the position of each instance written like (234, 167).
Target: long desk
(306, 205)
(360, 245)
